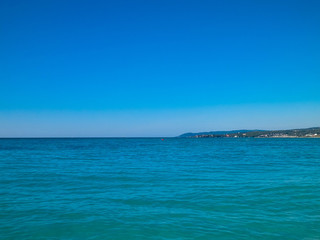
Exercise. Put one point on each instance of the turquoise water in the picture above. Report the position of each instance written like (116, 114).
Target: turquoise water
(153, 189)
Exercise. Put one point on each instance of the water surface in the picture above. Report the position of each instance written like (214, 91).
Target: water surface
(152, 189)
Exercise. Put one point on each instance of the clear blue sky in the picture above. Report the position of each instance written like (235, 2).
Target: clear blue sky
(157, 68)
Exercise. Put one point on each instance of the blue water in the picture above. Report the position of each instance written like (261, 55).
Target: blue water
(153, 189)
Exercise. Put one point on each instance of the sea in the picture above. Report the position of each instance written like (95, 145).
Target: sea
(161, 189)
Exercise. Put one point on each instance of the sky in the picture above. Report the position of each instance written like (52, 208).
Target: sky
(157, 68)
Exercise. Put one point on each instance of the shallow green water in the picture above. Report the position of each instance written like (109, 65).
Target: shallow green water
(153, 189)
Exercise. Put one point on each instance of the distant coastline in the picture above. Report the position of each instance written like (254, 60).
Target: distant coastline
(291, 133)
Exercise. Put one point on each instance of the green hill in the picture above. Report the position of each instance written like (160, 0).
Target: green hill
(291, 133)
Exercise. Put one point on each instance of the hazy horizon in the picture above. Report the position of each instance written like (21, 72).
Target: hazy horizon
(34, 137)
(157, 123)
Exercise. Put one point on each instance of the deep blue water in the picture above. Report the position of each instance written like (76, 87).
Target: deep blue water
(152, 189)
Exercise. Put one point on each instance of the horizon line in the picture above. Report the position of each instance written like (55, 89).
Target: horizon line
(93, 137)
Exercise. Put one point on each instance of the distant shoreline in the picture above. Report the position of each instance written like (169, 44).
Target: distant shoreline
(291, 133)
